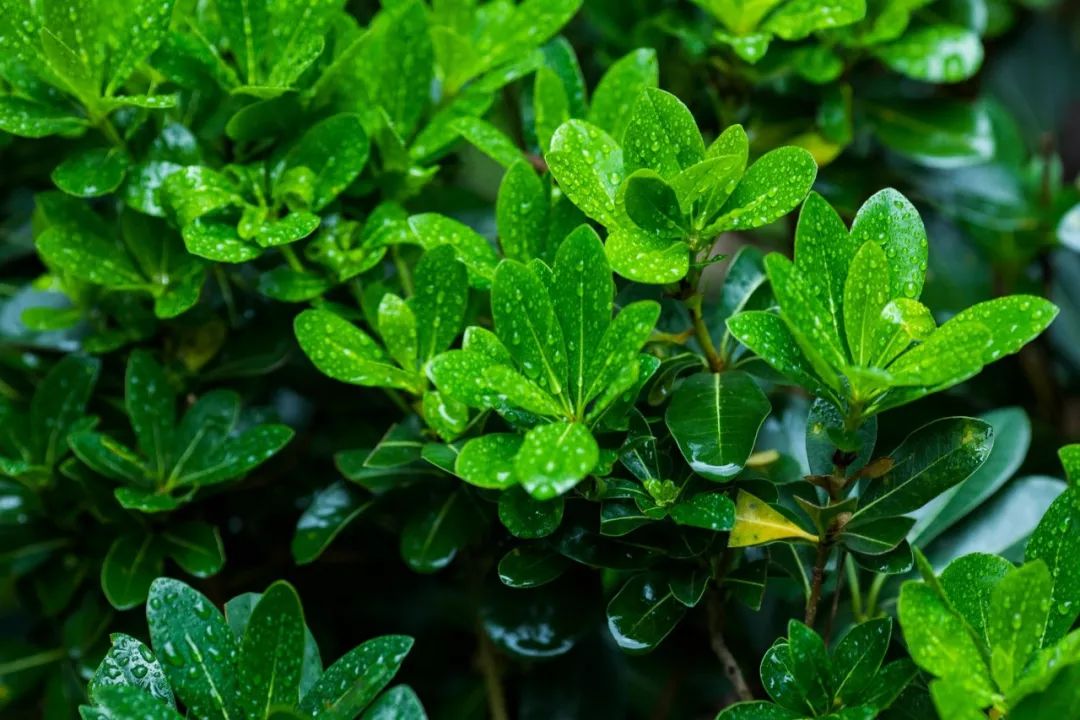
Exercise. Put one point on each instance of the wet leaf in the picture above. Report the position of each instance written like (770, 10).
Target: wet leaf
(756, 524)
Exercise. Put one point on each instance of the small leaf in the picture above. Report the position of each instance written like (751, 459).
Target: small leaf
(890, 220)
(710, 511)
(771, 188)
(436, 531)
(31, 119)
(653, 205)
(554, 458)
(865, 296)
(336, 150)
(344, 352)
(529, 566)
(935, 53)
(528, 518)
(132, 563)
(440, 300)
(196, 547)
(526, 323)
(756, 524)
(521, 213)
(151, 407)
(715, 419)
(488, 139)
(858, 655)
(330, 512)
(661, 135)
(488, 461)
(352, 682)
(121, 702)
(643, 613)
(91, 173)
(129, 662)
(877, 537)
(397, 703)
(935, 133)
(645, 258)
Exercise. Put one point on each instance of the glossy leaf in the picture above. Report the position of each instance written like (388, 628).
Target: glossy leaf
(354, 680)
(756, 524)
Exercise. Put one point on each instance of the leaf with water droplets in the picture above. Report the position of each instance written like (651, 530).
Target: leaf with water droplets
(431, 230)
(643, 613)
(889, 219)
(345, 352)
(194, 191)
(488, 461)
(124, 702)
(521, 213)
(526, 323)
(145, 29)
(757, 710)
(645, 258)
(218, 241)
(935, 53)
(151, 407)
(653, 206)
(858, 655)
(901, 323)
(238, 456)
(528, 518)
(939, 641)
(661, 135)
(397, 328)
(271, 652)
(352, 682)
(108, 457)
(439, 302)
(877, 537)
(336, 150)
(1056, 541)
(620, 87)
(59, 404)
(91, 173)
(330, 511)
(865, 296)
(197, 647)
(397, 703)
(928, 462)
(767, 336)
(32, 119)
(618, 350)
(1013, 322)
(809, 322)
(129, 662)
(531, 566)
(757, 523)
(953, 353)
(824, 249)
(554, 458)
(771, 188)
(1016, 620)
(294, 226)
(715, 419)
(488, 139)
(582, 294)
(89, 256)
(551, 105)
(710, 511)
(132, 563)
(588, 165)
(797, 20)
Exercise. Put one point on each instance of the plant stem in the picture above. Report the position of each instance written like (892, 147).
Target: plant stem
(32, 661)
(701, 332)
(403, 271)
(817, 581)
(831, 620)
(872, 595)
(731, 666)
(853, 586)
(290, 257)
(226, 294)
(490, 668)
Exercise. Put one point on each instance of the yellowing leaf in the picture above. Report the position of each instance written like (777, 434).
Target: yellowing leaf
(756, 523)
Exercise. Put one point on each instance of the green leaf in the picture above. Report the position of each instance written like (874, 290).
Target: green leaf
(271, 652)
(809, 664)
(554, 458)
(1056, 542)
(440, 300)
(246, 25)
(890, 220)
(551, 105)
(344, 352)
(935, 53)
(192, 192)
(653, 205)
(865, 296)
(521, 213)
(661, 135)
(294, 226)
(824, 249)
(616, 365)
(619, 89)
(1070, 460)
(582, 295)
(771, 188)
(858, 655)
(196, 547)
(132, 563)
(768, 337)
(151, 408)
(643, 613)
(197, 646)
(89, 257)
(935, 133)
(1017, 617)
(715, 419)
(397, 703)
(1013, 322)
(902, 322)
(806, 318)
(436, 531)
(219, 242)
(124, 701)
(32, 119)
(939, 641)
(130, 663)
(352, 682)
(398, 330)
(797, 20)
(526, 323)
(432, 230)
(240, 455)
(489, 140)
(709, 511)
(968, 582)
(59, 403)
(91, 173)
(929, 461)
(140, 37)
(646, 258)
(588, 165)
(756, 523)
(488, 461)
(108, 457)
(529, 566)
(336, 150)
(756, 710)
(528, 518)
(876, 537)
(330, 511)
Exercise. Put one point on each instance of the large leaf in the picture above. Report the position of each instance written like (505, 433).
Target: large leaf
(588, 165)
(271, 652)
(352, 682)
(1056, 542)
(715, 419)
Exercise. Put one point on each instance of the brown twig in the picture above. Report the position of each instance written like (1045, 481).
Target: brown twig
(489, 667)
(817, 581)
(716, 637)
